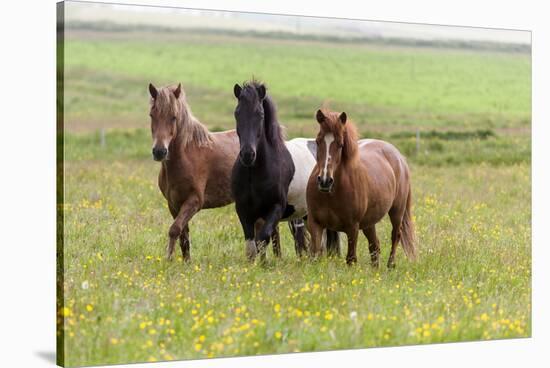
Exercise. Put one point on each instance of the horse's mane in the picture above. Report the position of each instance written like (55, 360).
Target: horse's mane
(273, 130)
(332, 122)
(190, 129)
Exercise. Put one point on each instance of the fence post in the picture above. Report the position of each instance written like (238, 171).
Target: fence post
(102, 137)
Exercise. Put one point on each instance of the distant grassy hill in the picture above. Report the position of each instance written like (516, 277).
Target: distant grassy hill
(382, 87)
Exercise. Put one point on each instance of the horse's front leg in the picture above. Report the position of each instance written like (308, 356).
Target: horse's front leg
(352, 233)
(316, 231)
(185, 243)
(187, 210)
(248, 230)
(270, 225)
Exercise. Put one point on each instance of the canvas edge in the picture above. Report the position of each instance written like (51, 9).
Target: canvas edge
(60, 77)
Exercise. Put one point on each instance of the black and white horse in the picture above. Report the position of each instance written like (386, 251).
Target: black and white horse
(270, 176)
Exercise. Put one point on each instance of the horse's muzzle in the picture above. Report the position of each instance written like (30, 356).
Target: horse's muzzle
(325, 184)
(247, 157)
(160, 154)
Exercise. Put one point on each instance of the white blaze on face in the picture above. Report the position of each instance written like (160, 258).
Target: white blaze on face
(329, 138)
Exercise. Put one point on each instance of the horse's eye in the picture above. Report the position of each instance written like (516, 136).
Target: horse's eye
(173, 119)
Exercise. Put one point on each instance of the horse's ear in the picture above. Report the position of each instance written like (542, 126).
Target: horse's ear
(177, 91)
(261, 92)
(153, 91)
(237, 90)
(343, 118)
(320, 116)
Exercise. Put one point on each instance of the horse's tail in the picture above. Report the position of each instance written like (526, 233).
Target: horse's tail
(333, 243)
(408, 236)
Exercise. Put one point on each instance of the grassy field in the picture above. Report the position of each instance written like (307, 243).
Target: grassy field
(471, 184)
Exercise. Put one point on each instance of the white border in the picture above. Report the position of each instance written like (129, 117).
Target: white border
(27, 192)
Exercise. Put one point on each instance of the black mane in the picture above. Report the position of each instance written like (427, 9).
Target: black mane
(273, 131)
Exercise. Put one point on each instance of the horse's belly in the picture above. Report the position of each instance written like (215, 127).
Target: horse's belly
(304, 162)
(217, 194)
(373, 217)
(329, 219)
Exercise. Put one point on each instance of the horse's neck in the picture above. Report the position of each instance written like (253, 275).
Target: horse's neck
(352, 169)
(177, 146)
(178, 157)
(262, 150)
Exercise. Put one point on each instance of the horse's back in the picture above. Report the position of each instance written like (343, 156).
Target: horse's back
(387, 171)
(374, 152)
(226, 143)
(304, 162)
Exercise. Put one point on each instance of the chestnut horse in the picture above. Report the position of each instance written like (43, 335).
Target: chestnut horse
(196, 164)
(354, 185)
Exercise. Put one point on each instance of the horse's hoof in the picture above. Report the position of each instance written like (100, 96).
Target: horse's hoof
(261, 246)
(315, 257)
(169, 252)
(391, 265)
(251, 250)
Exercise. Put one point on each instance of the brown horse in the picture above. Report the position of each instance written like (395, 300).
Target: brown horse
(354, 185)
(196, 164)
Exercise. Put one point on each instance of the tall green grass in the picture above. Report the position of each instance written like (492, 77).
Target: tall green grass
(125, 303)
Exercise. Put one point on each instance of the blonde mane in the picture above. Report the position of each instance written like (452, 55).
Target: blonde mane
(190, 130)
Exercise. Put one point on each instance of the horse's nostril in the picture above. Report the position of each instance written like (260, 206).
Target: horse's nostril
(247, 156)
(159, 153)
(330, 181)
(318, 179)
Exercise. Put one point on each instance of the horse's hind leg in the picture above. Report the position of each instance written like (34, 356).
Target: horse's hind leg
(396, 217)
(333, 243)
(374, 245)
(298, 232)
(185, 243)
(276, 240)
